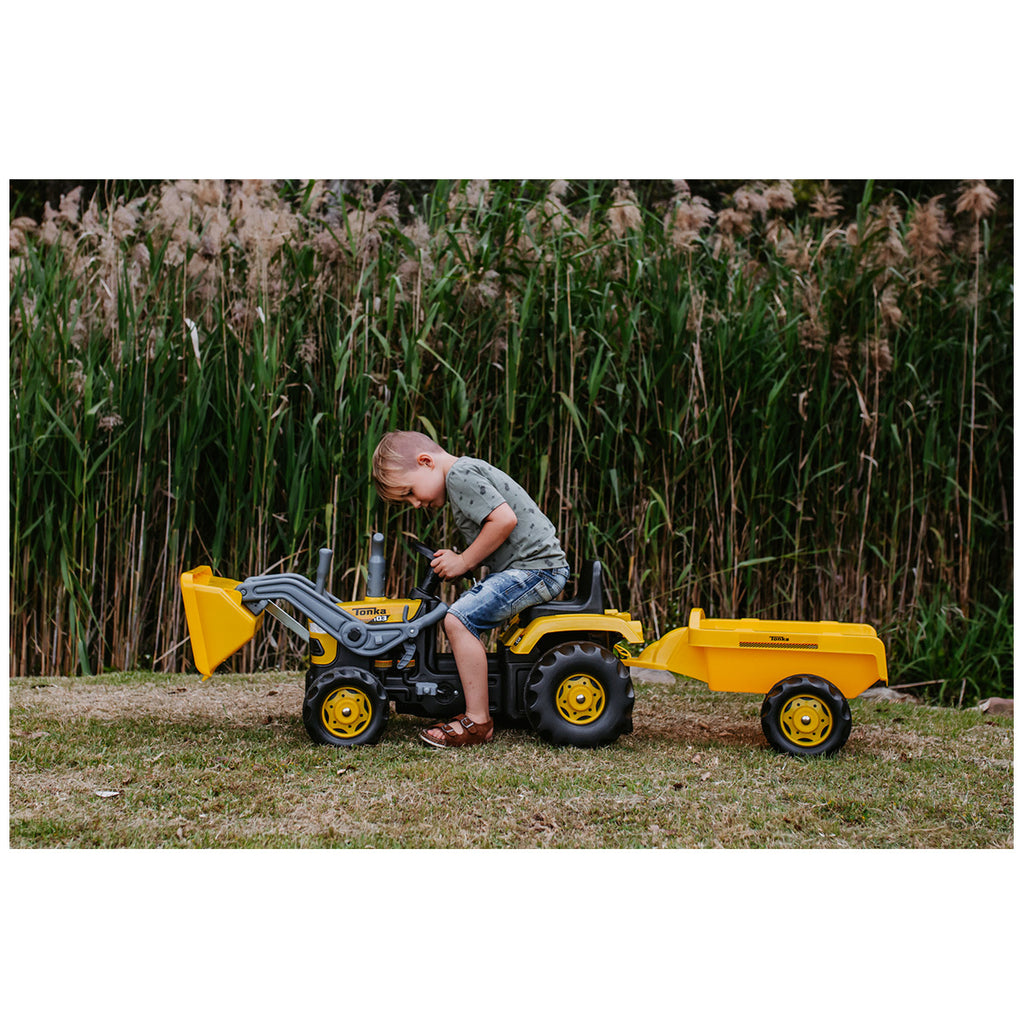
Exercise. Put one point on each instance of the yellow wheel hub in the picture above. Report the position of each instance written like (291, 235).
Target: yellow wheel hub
(806, 721)
(346, 712)
(580, 699)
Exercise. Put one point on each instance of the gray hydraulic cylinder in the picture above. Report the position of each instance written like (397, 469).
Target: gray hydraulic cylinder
(375, 578)
(322, 570)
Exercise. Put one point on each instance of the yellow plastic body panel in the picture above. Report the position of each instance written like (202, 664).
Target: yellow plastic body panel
(218, 624)
(522, 640)
(752, 655)
(370, 610)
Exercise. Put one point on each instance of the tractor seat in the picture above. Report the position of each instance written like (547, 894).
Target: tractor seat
(589, 597)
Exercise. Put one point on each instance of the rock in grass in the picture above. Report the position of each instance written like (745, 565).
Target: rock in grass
(887, 693)
(997, 706)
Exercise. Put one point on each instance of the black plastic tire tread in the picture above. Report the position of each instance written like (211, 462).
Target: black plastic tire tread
(593, 660)
(782, 692)
(324, 685)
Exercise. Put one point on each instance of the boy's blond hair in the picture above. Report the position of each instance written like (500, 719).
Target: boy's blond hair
(396, 454)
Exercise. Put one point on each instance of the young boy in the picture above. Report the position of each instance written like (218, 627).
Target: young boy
(503, 529)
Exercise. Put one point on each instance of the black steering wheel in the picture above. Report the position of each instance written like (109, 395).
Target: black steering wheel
(426, 552)
(431, 582)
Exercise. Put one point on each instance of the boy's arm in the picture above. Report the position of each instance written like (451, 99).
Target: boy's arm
(494, 531)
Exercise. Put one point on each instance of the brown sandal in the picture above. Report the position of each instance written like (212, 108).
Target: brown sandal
(473, 733)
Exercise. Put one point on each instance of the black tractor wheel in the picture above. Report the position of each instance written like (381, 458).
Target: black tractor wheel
(580, 695)
(345, 707)
(806, 716)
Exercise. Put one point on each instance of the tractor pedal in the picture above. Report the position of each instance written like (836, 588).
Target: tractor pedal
(408, 653)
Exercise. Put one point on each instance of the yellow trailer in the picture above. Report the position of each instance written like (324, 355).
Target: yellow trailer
(807, 670)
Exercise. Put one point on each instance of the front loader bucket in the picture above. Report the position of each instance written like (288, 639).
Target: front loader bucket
(218, 624)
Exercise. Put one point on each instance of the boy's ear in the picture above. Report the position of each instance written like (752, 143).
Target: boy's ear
(425, 459)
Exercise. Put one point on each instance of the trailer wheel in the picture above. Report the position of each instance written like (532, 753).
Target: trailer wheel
(345, 707)
(806, 716)
(580, 695)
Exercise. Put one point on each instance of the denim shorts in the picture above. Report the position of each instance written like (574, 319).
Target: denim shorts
(504, 594)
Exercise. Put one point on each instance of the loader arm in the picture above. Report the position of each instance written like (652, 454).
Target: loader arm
(362, 638)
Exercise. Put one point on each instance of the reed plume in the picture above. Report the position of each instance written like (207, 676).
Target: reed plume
(826, 204)
(928, 237)
(624, 214)
(779, 196)
(975, 199)
(686, 219)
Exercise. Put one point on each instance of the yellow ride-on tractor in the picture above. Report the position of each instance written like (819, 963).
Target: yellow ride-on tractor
(555, 668)
(560, 667)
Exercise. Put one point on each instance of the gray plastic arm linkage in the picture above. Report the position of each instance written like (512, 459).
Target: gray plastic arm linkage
(363, 638)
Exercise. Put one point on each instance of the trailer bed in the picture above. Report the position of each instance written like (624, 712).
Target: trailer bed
(752, 655)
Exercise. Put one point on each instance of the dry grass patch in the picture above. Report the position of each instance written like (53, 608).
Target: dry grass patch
(169, 761)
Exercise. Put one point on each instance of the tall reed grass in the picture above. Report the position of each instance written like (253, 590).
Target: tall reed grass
(774, 408)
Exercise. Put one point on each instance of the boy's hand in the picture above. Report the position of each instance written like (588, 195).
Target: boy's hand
(449, 565)
(494, 531)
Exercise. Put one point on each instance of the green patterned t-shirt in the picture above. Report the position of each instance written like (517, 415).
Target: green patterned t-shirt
(475, 489)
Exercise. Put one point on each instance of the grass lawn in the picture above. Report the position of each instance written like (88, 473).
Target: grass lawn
(162, 761)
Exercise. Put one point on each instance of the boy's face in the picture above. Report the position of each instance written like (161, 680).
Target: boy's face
(422, 486)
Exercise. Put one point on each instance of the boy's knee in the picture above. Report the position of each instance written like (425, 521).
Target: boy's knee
(452, 623)
(459, 634)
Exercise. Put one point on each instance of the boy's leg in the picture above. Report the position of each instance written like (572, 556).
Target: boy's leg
(486, 606)
(471, 661)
